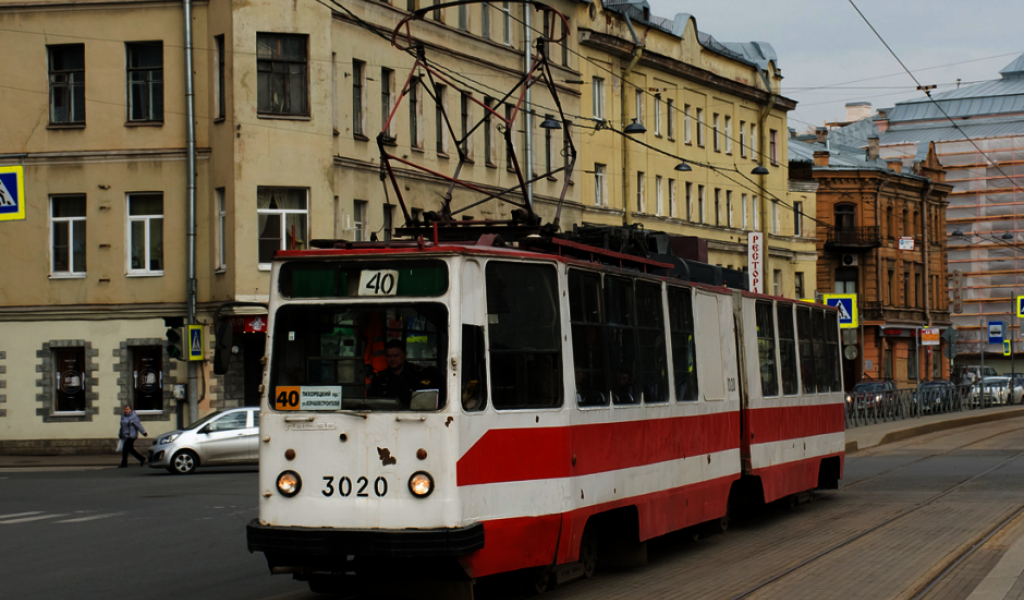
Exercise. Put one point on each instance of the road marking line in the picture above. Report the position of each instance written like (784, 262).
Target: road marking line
(27, 519)
(21, 514)
(91, 518)
(47, 469)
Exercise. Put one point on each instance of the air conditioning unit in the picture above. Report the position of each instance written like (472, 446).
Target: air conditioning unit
(849, 260)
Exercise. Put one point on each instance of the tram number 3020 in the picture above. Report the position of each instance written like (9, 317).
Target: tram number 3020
(361, 488)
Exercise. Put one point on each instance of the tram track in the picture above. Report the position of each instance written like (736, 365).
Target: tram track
(951, 564)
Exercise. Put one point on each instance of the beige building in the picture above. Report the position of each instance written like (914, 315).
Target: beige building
(718, 108)
(289, 101)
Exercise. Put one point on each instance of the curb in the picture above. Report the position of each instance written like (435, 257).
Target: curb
(926, 428)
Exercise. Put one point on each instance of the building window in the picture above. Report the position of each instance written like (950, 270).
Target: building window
(701, 213)
(440, 110)
(67, 230)
(218, 41)
(67, 83)
(485, 20)
(282, 218)
(659, 208)
(70, 380)
(845, 216)
(689, 201)
(700, 127)
(743, 139)
(508, 155)
(598, 89)
(389, 216)
(281, 80)
(755, 208)
(358, 89)
(222, 229)
(638, 98)
(754, 143)
(671, 114)
(775, 218)
(547, 147)
(907, 300)
(145, 81)
(687, 128)
(641, 204)
(728, 134)
(657, 115)
(567, 151)
(845, 280)
(892, 287)
(716, 133)
(718, 207)
(387, 81)
(147, 378)
(506, 23)
(728, 208)
(488, 131)
(146, 233)
(798, 211)
(463, 18)
(773, 146)
(359, 220)
(745, 209)
(415, 115)
(672, 209)
(777, 282)
(798, 283)
(600, 185)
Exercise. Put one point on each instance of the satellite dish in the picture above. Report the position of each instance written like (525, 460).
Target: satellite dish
(850, 352)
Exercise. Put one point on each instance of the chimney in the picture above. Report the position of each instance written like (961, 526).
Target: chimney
(882, 121)
(792, 132)
(821, 158)
(821, 134)
(855, 111)
(873, 147)
(895, 164)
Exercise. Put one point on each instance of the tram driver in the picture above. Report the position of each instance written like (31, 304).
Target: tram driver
(401, 378)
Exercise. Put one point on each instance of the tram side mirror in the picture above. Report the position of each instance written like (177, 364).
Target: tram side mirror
(222, 348)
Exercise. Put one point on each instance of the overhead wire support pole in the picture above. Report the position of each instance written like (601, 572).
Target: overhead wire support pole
(190, 167)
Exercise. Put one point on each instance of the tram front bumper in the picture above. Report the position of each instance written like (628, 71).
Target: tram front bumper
(305, 544)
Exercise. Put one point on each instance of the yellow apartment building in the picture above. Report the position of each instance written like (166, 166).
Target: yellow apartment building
(716, 108)
(289, 98)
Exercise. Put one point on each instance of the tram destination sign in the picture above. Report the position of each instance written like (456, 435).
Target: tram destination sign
(307, 397)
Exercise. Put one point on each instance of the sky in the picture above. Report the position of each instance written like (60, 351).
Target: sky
(825, 44)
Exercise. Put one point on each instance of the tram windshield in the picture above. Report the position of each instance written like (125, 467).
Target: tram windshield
(363, 357)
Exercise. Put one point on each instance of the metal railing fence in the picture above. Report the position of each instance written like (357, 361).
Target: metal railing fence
(867, 408)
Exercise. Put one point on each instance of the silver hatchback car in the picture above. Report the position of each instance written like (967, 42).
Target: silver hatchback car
(227, 437)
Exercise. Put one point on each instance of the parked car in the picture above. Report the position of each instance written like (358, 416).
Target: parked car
(869, 394)
(227, 437)
(997, 391)
(932, 394)
(960, 375)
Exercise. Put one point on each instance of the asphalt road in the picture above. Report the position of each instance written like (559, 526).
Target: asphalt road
(905, 513)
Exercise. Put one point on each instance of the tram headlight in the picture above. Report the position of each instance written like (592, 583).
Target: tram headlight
(421, 484)
(289, 483)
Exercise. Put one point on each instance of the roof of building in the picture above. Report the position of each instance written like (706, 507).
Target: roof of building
(841, 157)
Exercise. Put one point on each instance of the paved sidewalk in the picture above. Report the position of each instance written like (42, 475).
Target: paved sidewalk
(868, 436)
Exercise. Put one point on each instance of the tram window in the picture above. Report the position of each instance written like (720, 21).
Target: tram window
(824, 371)
(787, 349)
(803, 324)
(586, 313)
(327, 279)
(342, 349)
(832, 344)
(684, 359)
(653, 363)
(622, 355)
(766, 348)
(474, 380)
(524, 332)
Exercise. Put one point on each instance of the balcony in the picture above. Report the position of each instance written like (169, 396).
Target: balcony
(853, 239)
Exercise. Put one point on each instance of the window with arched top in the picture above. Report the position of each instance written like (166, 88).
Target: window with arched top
(845, 216)
(906, 224)
(890, 223)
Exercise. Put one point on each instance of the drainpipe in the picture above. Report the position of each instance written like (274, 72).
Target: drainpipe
(528, 105)
(638, 51)
(190, 178)
(762, 143)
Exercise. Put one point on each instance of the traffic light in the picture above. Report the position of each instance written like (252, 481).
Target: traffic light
(174, 344)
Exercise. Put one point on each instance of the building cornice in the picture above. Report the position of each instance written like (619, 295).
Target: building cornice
(39, 159)
(65, 5)
(624, 49)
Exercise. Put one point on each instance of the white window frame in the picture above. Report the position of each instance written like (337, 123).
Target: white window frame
(638, 98)
(148, 220)
(600, 185)
(755, 209)
(222, 220)
(700, 127)
(658, 195)
(359, 97)
(670, 112)
(687, 126)
(716, 133)
(284, 222)
(641, 202)
(598, 92)
(773, 146)
(657, 115)
(728, 208)
(672, 200)
(798, 209)
(743, 139)
(359, 208)
(754, 144)
(728, 134)
(775, 218)
(71, 273)
(689, 201)
(746, 210)
(506, 9)
(702, 205)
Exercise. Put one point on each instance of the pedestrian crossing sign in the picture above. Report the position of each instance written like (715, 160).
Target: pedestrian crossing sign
(12, 193)
(1020, 307)
(846, 304)
(195, 342)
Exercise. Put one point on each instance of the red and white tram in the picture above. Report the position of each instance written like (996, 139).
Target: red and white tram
(571, 404)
